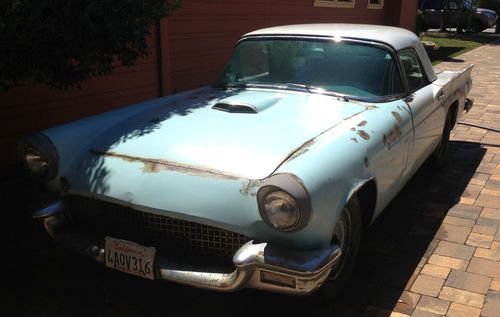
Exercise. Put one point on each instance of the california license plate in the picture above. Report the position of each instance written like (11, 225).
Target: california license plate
(130, 257)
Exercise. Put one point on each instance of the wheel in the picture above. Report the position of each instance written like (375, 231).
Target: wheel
(347, 235)
(475, 26)
(438, 157)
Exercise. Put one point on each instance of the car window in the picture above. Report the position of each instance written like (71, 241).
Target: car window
(412, 69)
(351, 68)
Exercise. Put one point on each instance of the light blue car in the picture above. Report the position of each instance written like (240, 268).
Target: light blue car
(264, 180)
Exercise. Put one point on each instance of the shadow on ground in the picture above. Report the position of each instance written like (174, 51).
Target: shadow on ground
(43, 280)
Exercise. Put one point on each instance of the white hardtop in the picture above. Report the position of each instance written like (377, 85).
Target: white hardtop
(398, 38)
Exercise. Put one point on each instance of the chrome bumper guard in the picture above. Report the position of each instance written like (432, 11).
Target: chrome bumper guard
(257, 265)
(469, 102)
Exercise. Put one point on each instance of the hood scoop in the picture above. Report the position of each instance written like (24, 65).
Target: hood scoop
(235, 107)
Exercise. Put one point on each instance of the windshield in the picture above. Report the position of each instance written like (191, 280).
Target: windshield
(348, 68)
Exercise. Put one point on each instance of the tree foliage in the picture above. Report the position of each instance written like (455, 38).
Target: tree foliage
(62, 43)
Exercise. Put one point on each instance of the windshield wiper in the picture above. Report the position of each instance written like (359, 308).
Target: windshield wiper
(308, 88)
(318, 90)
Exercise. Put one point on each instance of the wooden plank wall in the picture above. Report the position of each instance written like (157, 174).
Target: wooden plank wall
(29, 108)
(196, 43)
(203, 33)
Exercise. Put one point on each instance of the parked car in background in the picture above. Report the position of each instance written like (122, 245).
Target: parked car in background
(264, 180)
(459, 14)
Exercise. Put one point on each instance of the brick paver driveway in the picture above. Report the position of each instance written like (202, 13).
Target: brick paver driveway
(459, 274)
(434, 251)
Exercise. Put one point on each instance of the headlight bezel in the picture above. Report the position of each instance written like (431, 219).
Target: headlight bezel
(292, 186)
(39, 143)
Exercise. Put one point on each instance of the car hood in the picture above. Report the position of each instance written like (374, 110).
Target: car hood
(248, 134)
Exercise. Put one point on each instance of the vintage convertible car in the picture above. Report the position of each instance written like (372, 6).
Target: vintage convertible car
(264, 180)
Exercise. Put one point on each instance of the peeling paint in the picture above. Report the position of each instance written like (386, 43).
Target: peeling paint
(363, 134)
(249, 185)
(157, 165)
(362, 123)
(301, 150)
(392, 136)
(354, 140)
(397, 116)
(371, 107)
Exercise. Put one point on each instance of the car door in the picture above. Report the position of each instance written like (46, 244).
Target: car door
(428, 113)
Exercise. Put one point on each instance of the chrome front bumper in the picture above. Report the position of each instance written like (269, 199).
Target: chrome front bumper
(257, 265)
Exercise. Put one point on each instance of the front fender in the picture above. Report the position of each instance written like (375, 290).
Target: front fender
(331, 182)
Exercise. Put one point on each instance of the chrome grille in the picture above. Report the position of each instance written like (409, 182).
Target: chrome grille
(163, 232)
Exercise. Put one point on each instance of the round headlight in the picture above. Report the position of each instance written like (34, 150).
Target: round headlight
(281, 210)
(36, 162)
(39, 156)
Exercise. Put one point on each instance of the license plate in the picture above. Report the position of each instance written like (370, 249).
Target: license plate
(129, 257)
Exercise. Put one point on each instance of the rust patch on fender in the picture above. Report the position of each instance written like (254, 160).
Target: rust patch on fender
(371, 107)
(354, 140)
(362, 123)
(300, 150)
(363, 134)
(249, 185)
(397, 116)
(392, 136)
(157, 165)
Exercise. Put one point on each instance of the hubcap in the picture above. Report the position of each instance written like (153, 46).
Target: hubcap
(342, 237)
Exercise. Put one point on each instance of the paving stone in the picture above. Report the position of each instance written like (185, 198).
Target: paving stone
(484, 267)
(480, 240)
(436, 271)
(465, 211)
(462, 297)
(467, 201)
(455, 250)
(468, 281)
(407, 302)
(396, 314)
(489, 254)
(495, 245)
(486, 201)
(459, 221)
(427, 285)
(412, 279)
(424, 313)
(431, 247)
(491, 192)
(453, 233)
(459, 310)
(447, 261)
(491, 213)
(433, 305)
(488, 222)
(492, 305)
(484, 229)
(492, 183)
(495, 285)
